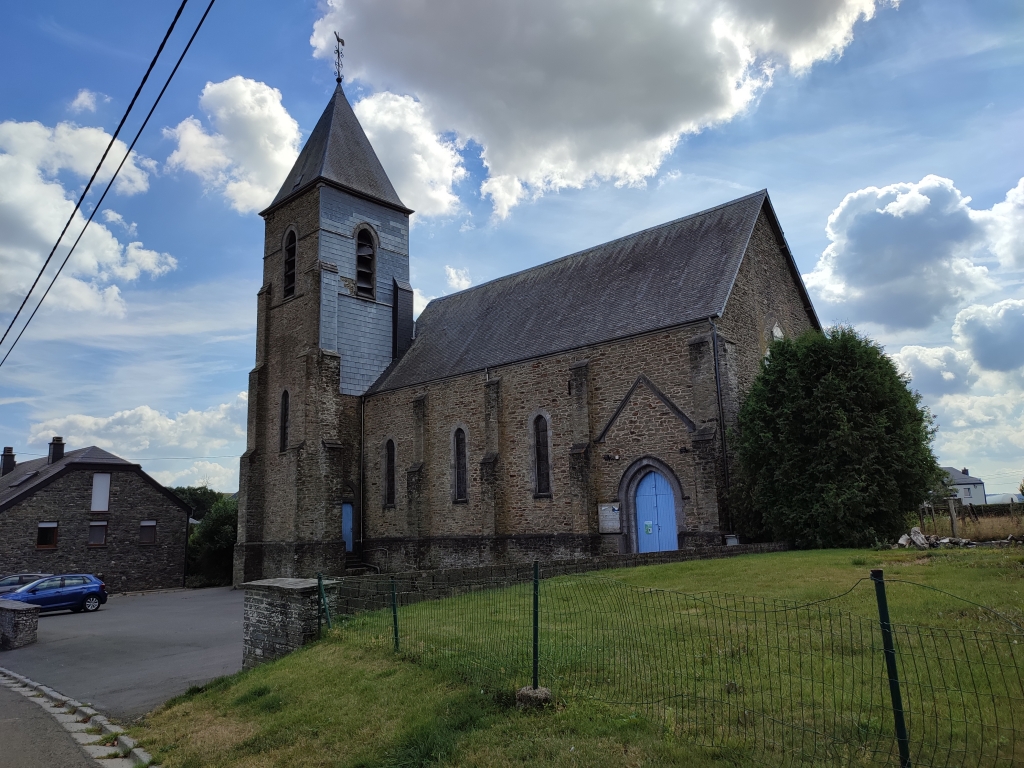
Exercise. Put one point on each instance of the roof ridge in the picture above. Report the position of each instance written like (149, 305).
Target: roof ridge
(588, 249)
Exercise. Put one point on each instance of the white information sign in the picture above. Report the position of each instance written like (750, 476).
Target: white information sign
(608, 518)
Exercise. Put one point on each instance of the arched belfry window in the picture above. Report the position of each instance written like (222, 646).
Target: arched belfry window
(461, 467)
(389, 473)
(366, 264)
(541, 460)
(289, 263)
(283, 437)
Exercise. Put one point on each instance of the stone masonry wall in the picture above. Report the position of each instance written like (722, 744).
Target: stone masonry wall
(122, 563)
(497, 408)
(281, 615)
(19, 623)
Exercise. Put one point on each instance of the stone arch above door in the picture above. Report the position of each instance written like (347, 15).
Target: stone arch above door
(631, 478)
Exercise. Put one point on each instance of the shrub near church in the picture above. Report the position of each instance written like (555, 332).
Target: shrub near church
(835, 449)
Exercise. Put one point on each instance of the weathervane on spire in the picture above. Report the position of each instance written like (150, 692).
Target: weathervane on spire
(339, 54)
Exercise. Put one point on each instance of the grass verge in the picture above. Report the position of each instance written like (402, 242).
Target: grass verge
(341, 703)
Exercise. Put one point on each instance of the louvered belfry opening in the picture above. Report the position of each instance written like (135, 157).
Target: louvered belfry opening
(289, 264)
(365, 258)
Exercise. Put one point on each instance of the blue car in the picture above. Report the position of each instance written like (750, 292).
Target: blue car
(70, 592)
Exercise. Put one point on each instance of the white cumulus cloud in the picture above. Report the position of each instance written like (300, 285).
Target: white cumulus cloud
(994, 334)
(937, 370)
(560, 93)
(85, 101)
(34, 206)
(903, 255)
(1004, 225)
(421, 165)
(253, 145)
(144, 430)
(420, 301)
(458, 279)
(212, 474)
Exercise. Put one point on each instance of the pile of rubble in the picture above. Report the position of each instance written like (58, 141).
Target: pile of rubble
(918, 540)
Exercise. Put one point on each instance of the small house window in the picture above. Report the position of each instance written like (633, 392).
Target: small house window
(147, 532)
(541, 462)
(289, 264)
(97, 533)
(366, 263)
(967, 492)
(46, 536)
(283, 437)
(460, 465)
(389, 473)
(100, 492)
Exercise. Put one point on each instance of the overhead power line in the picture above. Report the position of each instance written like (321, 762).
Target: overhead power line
(99, 165)
(110, 183)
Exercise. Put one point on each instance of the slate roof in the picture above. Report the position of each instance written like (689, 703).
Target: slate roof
(338, 152)
(662, 277)
(959, 478)
(29, 476)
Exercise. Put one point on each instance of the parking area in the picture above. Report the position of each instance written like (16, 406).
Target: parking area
(137, 651)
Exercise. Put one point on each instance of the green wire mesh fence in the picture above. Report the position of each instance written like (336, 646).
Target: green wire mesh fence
(781, 682)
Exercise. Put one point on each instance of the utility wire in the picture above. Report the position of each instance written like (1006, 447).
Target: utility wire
(99, 165)
(99, 203)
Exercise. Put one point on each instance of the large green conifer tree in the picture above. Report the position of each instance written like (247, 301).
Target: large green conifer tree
(834, 448)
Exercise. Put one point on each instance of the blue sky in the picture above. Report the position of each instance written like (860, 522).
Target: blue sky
(888, 136)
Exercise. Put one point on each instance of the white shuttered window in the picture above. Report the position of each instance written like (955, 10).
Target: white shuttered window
(101, 492)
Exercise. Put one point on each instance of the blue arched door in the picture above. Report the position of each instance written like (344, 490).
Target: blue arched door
(655, 515)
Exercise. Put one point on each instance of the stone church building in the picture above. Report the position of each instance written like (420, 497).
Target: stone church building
(577, 408)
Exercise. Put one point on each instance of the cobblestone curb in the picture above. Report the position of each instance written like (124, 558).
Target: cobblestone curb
(82, 722)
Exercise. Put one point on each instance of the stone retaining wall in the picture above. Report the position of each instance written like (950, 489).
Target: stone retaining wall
(281, 615)
(19, 623)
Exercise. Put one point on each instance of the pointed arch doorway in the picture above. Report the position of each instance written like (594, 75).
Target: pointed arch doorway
(655, 506)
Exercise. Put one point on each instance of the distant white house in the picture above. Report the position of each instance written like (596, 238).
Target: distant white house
(970, 490)
(1004, 498)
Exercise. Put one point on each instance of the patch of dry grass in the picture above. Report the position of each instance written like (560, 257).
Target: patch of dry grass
(986, 529)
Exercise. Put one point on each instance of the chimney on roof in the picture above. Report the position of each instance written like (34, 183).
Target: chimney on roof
(56, 450)
(7, 462)
(964, 470)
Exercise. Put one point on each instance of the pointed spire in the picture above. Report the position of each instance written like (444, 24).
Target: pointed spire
(337, 152)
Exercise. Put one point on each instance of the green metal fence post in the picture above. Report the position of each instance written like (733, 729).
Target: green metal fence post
(394, 611)
(902, 738)
(536, 623)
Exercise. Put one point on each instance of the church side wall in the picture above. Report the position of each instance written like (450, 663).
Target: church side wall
(502, 518)
(765, 293)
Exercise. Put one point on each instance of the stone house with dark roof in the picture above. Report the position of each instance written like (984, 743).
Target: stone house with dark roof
(89, 511)
(577, 408)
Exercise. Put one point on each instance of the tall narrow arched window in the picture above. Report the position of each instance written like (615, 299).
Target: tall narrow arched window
(283, 428)
(461, 469)
(389, 473)
(289, 264)
(366, 264)
(541, 461)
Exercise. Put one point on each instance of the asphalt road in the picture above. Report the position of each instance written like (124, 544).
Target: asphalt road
(137, 651)
(32, 738)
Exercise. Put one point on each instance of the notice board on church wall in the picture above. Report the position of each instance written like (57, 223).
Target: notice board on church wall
(608, 518)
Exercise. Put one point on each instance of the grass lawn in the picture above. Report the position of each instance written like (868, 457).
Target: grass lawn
(447, 698)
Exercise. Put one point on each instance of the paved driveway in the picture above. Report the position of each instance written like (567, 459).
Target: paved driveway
(137, 651)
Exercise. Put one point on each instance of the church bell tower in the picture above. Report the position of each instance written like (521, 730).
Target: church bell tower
(334, 310)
